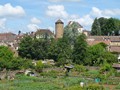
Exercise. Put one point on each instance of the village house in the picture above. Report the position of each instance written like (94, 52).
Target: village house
(44, 33)
(113, 42)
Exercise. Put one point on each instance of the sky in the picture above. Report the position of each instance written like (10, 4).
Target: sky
(30, 15)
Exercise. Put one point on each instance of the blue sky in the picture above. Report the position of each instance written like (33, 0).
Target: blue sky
(29, 15)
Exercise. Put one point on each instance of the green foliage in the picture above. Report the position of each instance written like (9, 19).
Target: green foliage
(96, 28)
(60, 51)
(9, 62)
(51, 73)
(104, 26)
(25, 47)
(105, 67)
(39, 66)
(94, 87)
(19, 63)
(79, 68)
(97, 55)
(71, 32)
(80, 49)
(76, 87)
(5, 53)
(33, 48)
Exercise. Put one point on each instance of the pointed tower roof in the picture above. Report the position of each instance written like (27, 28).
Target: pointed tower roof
(59, 21)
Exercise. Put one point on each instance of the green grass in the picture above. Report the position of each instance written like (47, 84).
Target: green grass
(52, 81)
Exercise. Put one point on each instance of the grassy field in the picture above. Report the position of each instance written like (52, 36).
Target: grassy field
(56, 80)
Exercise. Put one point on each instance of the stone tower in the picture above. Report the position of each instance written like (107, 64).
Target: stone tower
(59, 26)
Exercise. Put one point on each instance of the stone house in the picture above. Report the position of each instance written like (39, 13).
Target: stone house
(44, 33)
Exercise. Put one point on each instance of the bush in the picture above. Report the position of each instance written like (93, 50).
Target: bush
(77, 87)
(117, 74)
(39, 66)
(94, 87)
(51, 73)
(79, 68)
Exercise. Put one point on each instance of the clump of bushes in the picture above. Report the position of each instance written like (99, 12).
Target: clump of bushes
(76, 87)
(94, 87)
(51, 73)
(39, 66)
(79, 68)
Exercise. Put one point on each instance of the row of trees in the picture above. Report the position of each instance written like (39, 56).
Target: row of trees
(105, 26)
(63, 52)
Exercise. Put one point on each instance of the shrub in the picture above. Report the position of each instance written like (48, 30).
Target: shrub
(94, 87)
(51, 73)
(77, 87)
(39, 66)
(79, 68)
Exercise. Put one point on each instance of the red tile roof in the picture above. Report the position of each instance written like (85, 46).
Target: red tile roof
(7, 37)
(115, 48)
(43, 31)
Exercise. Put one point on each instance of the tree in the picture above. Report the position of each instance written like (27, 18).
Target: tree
(110, 27)
(97, 55)
(33, 48)
(96, 28)
(102, 22)
(25, 47)
(105, 26)
(40, 49)
(71, 32)
(80, 49)
(60, 50)
(5, 53)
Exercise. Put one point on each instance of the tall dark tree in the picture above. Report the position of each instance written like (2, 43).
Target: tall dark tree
(96, 28)
(105, 26)
(80, 49)
(60, 50)
(25, 47)
(102, 22)
(33, 48)
(110, 27)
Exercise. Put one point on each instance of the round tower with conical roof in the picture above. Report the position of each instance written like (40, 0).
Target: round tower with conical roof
(59, 26)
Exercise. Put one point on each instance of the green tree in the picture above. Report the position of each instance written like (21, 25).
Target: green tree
(71, 32)
(110, 27)
(60, 50)
(98, 54)
(6, 55)
(40, 49)
(102, 22)
(105, 26)
(96, 28)
(33, 48)
(25, 47)
(80, 49)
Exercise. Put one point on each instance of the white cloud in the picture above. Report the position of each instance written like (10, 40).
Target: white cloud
(8, 10)
(96, 12)
(2, 23)
(56, 11)
(112, 12)
(35, 20)
(84, 21)
(65, 0)
(32, 27)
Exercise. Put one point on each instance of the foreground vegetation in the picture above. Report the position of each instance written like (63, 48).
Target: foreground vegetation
(56, 80)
